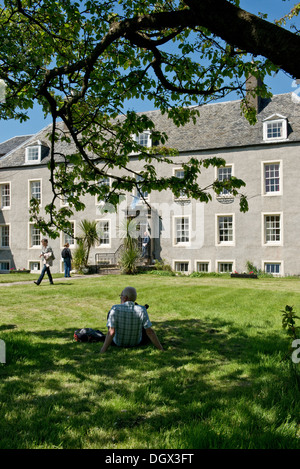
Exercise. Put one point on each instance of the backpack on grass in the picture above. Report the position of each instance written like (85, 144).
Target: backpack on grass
(88, 335)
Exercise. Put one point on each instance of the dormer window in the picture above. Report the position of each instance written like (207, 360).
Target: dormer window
(143, 139)
(275, 128)
(33, 154)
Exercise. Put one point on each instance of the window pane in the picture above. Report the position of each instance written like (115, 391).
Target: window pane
(225, 229)
(32, 153)
(179, 173)
(181, 266)
(35, 236)
(4, 230)
(272, 268)
(143, 139)
(104, 185)
(4, 265)
(69, 237)
(35, 266)
(104, 234)
(182, 230)
(272, 179)
(35, 189)
(272, 228)
(274, 130)
(143, 194)
(5, 195)
(224, 267)
(224, 174)
(202, 266)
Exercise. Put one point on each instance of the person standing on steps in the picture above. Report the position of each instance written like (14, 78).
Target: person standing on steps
(48, 258)
(146, 245)
(67, 257)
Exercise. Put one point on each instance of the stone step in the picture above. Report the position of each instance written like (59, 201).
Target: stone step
(109, 271)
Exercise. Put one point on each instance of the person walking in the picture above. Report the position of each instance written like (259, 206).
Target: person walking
(48, 257)
(67, 257)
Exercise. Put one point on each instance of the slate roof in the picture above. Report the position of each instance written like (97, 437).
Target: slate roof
(12, 144)
(220, 125)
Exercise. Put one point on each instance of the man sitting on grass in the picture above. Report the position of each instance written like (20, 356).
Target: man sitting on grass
(129, 324)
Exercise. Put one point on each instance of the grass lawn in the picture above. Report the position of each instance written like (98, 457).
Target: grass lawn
(219, 384)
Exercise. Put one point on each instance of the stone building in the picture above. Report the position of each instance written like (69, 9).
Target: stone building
(189, 235)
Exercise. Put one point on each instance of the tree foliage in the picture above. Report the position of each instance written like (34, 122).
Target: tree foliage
(84, 61)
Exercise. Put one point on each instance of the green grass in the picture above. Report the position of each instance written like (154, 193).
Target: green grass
(23, 277)
(219, 384)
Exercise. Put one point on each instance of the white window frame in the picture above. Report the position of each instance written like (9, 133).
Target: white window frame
(138, 137)
(175, 262)
(181, 243)
(145, 198)
(222, 261)
(263, 170)
(100, 245)
(6, 261)
(30, 195)
(224, 193)
(218, 241)
(65, 238)
(2, 196)
(264, 229)
(272, 262)
(275, 119)
(30, 237)
(64, 202)
(182, 195)
(28, 159)
(30, 262)
(105, 181)
(5, 225)
(203, 262)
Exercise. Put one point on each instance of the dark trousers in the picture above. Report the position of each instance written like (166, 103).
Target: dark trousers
(44, 270)
(145, 339)
(67, 264)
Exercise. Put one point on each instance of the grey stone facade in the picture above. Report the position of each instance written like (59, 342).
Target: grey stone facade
(188, 235)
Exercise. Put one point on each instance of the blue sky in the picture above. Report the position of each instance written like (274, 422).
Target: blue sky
(278, 84)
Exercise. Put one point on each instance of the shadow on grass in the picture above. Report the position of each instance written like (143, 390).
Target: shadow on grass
(59, 393)
(7, 327)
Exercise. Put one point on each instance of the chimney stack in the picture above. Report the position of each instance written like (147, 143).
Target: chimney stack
(252, 86)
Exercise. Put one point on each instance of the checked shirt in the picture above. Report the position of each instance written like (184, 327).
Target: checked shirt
(128, 321)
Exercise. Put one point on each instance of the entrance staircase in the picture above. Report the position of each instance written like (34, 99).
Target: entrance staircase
(108, 262)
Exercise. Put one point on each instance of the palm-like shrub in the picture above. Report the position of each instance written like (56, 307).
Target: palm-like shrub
(129, 259)
(130, 252)
(79, 256)
(89, 236)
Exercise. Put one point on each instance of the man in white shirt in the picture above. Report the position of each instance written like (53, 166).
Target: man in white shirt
(48, 257)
